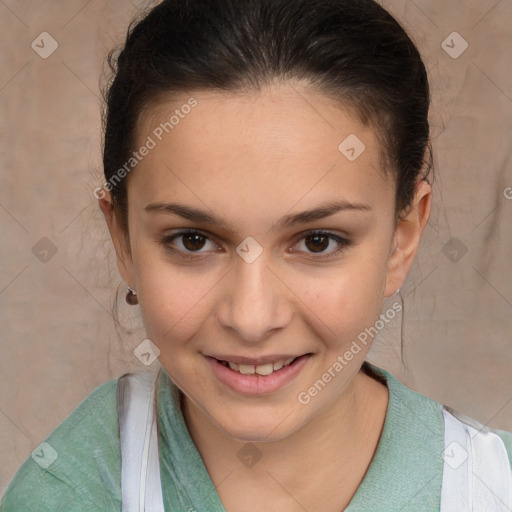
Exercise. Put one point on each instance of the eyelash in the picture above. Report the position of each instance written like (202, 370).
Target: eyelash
(344, 243)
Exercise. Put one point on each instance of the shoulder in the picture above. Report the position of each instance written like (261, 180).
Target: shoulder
(78, 466)
(506, 437)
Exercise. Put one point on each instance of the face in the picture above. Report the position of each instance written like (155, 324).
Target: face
(253, 239)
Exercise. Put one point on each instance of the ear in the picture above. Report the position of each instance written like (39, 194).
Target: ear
(120, 239)
(407, 238)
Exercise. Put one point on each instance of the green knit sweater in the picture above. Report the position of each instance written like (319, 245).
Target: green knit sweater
(77, 469)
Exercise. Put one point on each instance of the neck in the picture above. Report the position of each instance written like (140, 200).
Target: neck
(340, 441)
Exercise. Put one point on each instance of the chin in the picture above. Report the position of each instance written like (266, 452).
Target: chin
(256, 435)
(257, 427)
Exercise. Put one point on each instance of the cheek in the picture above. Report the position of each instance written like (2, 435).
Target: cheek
(174, 305)
(174, 300)
(347, 299)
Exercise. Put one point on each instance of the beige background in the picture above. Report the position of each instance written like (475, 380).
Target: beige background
(59, 340)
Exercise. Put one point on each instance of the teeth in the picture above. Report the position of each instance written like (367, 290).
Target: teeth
(246, 369)
(263, 369)
(278, 365)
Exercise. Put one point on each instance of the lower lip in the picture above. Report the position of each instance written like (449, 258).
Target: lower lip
(257, 384)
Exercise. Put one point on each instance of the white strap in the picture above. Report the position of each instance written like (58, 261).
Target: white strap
(477, 476)
(140, 464)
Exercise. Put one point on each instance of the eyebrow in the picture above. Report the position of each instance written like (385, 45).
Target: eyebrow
(320, 212)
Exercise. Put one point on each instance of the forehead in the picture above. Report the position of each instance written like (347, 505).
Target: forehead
(277, 146)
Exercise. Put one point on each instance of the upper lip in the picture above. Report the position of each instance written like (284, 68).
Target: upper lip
(255, 361)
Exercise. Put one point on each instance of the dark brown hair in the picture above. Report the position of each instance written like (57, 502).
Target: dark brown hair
(351, 50)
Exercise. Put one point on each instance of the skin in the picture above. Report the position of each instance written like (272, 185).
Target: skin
(252, 158)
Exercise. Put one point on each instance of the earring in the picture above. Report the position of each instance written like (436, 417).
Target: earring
(397, 292)
(131, 297)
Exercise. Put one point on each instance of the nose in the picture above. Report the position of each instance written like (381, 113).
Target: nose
(255, 301)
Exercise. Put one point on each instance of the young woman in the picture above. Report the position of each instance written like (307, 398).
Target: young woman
(266, 185)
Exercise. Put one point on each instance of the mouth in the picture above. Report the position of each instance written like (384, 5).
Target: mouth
(267, 376)
(261, 369)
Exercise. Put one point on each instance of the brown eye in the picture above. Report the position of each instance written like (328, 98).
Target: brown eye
(188, 243)
(317, 243)
(193, 241)
(323, 243)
